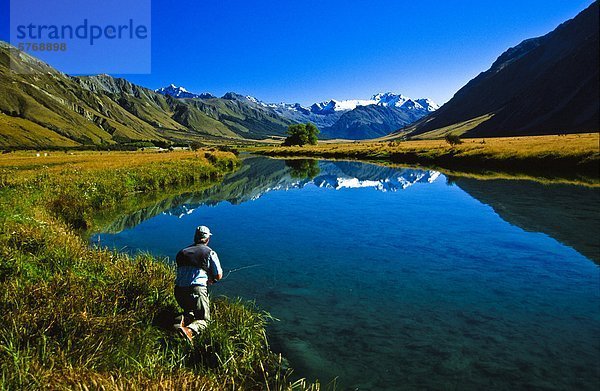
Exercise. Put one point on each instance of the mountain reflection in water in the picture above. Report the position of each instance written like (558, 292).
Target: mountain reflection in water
(567, 213)
(261, 175)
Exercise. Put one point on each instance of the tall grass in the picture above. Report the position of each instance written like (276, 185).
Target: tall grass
(575, 156)
(76, 317)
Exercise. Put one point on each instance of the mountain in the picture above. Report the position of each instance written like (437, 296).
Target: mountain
(180, 92)
(359, 119)
(40, 107)
(349, 119)
(374, 121)
(242, 115)
(43, 107)
(544, 85)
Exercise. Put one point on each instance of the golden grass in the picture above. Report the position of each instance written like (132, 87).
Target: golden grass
(574, 144)
(500, 146)
(94, 160)
(23, 165)
(504, 147)
(538, 155)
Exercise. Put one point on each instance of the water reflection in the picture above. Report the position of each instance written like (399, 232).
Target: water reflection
(567, 213)
(261, 175)
(303, 168)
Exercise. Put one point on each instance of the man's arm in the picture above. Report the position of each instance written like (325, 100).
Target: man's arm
(215, 267)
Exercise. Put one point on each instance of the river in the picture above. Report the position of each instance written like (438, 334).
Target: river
(399, 278)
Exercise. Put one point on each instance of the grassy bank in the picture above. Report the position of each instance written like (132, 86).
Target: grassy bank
(568, 156)
(75, 317)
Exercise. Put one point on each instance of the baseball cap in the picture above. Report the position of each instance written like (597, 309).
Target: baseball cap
(202, 232)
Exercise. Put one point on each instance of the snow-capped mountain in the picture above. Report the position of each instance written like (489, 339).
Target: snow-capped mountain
(180, 92)
(327, 114)
(393, 181)
(332, 106)
(390, 99)
(377, 116)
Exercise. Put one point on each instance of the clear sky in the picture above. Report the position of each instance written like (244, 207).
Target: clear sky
(307, 50)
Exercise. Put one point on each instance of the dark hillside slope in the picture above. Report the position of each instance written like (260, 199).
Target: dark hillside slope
(545, 85)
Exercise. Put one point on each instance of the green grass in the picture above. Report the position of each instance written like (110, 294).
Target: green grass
(77, 317)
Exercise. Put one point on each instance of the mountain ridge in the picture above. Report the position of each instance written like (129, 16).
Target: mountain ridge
(543, 85)
(340, 118)
(43, 107)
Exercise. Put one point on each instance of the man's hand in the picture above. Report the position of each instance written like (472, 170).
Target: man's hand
(214, 279)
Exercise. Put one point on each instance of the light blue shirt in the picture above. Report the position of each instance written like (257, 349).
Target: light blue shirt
(190, 275)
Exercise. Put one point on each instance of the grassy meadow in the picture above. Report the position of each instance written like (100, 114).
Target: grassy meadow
(575, 156)
(78, 317)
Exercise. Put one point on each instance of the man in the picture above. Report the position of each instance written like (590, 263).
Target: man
(197, 267)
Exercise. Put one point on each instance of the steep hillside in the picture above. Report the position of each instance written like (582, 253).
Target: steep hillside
(42, 107)
(245, 117)
(544, 85)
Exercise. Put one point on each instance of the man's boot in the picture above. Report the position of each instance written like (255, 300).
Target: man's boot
(186, 332)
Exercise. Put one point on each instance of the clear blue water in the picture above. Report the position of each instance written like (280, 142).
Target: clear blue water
(402, 279)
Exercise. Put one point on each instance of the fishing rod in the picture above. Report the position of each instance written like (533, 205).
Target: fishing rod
(238, 269)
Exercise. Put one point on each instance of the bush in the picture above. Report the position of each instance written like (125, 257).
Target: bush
(196, 145)
(227, 148)
(452, 139)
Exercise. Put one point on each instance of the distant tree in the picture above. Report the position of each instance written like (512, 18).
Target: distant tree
(196, 145)
(301, 134)
(452, 139)
(313, 132)
(297, 135)
(161, 144)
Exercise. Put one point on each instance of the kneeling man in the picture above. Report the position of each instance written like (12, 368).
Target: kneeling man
(197, 267)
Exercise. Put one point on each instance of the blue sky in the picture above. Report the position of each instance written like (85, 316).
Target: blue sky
(308, 51)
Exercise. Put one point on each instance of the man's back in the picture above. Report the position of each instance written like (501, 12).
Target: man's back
(196, 264)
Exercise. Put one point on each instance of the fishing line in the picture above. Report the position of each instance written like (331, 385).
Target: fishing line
(238, 269)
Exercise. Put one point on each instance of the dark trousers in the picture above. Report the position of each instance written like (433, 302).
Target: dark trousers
(195, 304)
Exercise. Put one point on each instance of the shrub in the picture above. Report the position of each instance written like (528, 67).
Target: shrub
(452, 139)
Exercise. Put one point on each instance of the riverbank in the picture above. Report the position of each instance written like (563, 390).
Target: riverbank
(569, 156)
(76, 317)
